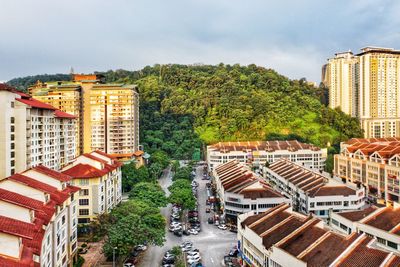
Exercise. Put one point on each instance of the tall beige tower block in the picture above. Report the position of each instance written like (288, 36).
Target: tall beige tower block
(367, 86)
(108, 113)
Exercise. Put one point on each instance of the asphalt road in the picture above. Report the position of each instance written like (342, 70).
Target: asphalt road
(212, 242)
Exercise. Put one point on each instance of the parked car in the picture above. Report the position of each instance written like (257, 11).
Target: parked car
(171, 261)
(141, 247)
(186, 243)
(178, 233)
(194, 260)
(216, 222)
(210, 220)
(169, 257)
(222, 227)
(234, 252)
(193, 232)
(208, 210)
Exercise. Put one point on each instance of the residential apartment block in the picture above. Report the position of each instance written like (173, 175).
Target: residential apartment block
(99, 177)
(367, 86)
(257, 153)
(241, 191)
(108, 114)
(38, 219)
(312, 191)
(382, 224)
(373, 162)
(280, 237)
(33, 133)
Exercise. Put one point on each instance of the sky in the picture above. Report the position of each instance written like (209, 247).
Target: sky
(293, 37)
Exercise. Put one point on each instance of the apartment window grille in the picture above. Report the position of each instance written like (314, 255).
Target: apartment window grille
(83, 202)
(84, 212)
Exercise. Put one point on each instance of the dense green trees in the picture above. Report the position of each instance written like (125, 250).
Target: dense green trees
(181, 193)
(130, 224)
(182, 173)
(150, 193)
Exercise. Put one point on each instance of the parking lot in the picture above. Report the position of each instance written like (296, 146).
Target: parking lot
(212, 242)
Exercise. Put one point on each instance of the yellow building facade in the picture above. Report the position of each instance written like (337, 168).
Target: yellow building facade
(108, 113)
(367, 86)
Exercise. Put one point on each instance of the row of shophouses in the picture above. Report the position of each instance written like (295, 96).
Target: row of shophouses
(46, 190)
(290, 214)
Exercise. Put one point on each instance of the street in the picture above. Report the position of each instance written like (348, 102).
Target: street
(212, 242)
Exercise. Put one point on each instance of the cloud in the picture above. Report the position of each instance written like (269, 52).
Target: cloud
(293, 37)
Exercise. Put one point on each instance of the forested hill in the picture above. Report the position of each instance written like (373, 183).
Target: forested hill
(180, 103)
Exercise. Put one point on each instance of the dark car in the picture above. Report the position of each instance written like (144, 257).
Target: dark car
(178, 233)
(210, 220)
(169, 261)
(208, 210)
(233, 253)
(185, 232)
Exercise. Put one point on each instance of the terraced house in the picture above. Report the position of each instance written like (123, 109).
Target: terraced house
(382, 223)
(38, 219)
(241, 191)
(257, 153)
(312, 191)
(99, 177)
(280, 237)
(373, 162)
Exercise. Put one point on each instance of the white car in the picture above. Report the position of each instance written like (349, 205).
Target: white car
(193, 232)
(175, 224)
(222, 227)
(194, 260)
(192, 253)
(186, 243)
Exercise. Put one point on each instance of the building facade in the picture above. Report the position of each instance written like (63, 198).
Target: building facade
(280, 237)
(33, 133)
(312, 191)
(241, 191)
(373, 162)
(382, 224)
(367, 86)
(38, 219)
(108, 114)
(341, 75)
(257, 153)
(99, 177)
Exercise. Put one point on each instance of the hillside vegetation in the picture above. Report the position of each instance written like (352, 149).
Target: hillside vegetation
(183, 107)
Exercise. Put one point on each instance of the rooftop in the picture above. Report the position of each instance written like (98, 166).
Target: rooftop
(269, 146)
(358, 214)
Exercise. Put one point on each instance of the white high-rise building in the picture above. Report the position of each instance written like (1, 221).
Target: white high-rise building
(33, 133)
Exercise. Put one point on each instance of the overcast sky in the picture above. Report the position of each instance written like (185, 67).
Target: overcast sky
(294, 37)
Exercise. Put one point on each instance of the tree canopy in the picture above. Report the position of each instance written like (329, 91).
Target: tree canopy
(150, 193)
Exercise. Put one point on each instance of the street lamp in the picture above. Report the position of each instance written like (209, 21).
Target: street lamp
(114, 248)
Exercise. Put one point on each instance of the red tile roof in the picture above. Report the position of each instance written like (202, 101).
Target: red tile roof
(387, 219)
(64, 115)
(334, 191)
(25, 260)
(104, 154)
(84, 171)
(58, 196)
(17, 228)
(43, 211)
(35, 103)
(52, 173)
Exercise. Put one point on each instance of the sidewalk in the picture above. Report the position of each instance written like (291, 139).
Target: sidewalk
(94, 256)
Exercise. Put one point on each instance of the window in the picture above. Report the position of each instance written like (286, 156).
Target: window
(83, 202)
(392, 244)
(12, 119)
(12, 137)
(12, 104)
(84, 192)
(12, 145)
(63, 219)
(84, 182)
(83, 212)
(12, 163)
(83, 220)
(381, 240)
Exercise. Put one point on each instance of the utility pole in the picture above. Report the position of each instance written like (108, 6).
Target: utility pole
(114, 248)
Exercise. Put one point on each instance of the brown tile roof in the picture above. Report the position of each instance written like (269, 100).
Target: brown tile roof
(270, 146)
(363, 256)
(302, 240)
(325, 252)
(334, 191)
(386, 220)
(236, 178)
(355, 216)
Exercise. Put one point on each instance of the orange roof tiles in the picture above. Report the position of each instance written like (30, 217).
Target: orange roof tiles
(35, 103)
(84, 171)
(64, 115)
(387, 219)
(52, 173)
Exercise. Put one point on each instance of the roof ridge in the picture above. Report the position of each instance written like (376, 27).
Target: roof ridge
(314, 244)
(271, 212)
(342, 256)
(310, 223)
(289, 218)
